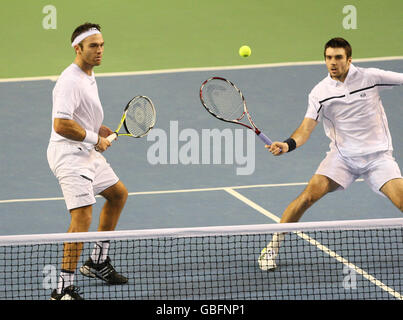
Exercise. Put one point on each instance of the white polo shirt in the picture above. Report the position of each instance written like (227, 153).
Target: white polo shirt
(75, 97)
(352, 112)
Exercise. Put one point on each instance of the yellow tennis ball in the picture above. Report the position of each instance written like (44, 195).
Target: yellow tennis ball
(245, 51)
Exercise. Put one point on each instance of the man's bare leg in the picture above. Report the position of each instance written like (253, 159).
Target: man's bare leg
(317, 187)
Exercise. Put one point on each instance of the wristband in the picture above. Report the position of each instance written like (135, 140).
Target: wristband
(90, 137)
(291, 144)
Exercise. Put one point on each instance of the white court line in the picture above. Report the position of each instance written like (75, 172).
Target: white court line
(271, 185)
(312, 241)
(252, 204)
(168, 191)
(239, 67)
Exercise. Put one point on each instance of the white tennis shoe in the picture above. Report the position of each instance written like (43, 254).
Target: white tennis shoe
(267, 259)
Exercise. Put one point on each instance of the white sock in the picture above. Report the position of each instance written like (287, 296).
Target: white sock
(66, 278)
(100, 252)
(276, 241)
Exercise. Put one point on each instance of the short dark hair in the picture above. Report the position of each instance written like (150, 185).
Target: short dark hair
(82, 28)
(339, 43)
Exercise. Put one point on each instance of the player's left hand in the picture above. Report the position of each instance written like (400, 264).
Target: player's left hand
(104, 131)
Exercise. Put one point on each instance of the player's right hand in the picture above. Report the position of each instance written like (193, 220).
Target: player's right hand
(102, 145)
(277, 148)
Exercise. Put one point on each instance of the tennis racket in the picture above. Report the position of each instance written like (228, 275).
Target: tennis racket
(225, 101)
(138, 118)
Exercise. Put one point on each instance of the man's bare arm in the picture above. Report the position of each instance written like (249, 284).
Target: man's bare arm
(300, 136)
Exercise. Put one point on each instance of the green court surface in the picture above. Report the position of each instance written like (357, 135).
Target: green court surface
(159, 34)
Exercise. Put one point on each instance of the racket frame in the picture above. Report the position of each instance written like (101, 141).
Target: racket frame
(253, 127)
(115, 134)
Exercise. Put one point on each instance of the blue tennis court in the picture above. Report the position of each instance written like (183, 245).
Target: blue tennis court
(277, 99)
(177, 194)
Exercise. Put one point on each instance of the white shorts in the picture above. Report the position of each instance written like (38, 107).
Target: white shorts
(376, 169)
(82, 173)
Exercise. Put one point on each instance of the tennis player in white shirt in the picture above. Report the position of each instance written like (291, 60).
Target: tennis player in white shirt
(74, 154)
(347, 101)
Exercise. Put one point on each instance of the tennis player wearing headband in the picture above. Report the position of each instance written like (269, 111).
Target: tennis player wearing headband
(348, 103)
(75, 157)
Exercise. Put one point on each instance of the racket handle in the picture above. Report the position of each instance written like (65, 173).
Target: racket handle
(112, 137)
(264, 138)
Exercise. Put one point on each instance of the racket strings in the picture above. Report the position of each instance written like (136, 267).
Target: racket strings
(223, 100)
(140, 117)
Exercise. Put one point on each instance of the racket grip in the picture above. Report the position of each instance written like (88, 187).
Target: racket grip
(264, 138)
(112, 137)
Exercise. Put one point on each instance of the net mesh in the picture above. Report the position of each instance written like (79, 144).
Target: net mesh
(140, 116)
(351, 261)
(223, 100)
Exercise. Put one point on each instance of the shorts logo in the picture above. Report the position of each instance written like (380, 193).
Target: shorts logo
(363, 95)
(82, 195)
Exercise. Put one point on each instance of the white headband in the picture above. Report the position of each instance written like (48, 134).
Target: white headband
(84, 35)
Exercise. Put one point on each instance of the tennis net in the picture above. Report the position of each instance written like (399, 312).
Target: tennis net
(361, 259)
